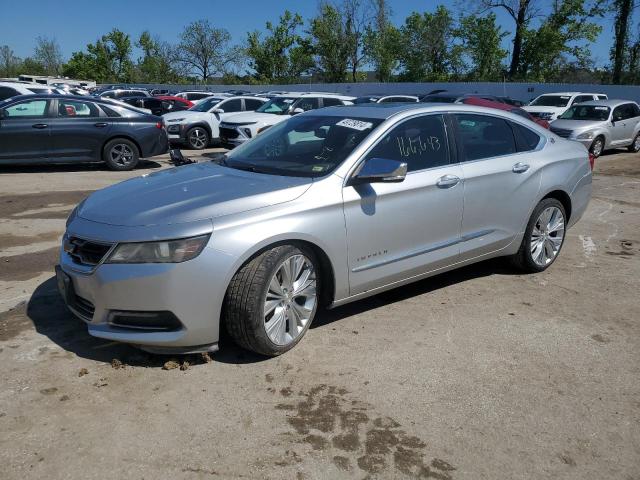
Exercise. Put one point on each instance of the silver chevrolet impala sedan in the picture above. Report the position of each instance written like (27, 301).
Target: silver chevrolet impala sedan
(329, 207)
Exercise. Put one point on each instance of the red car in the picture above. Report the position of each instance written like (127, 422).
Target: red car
(174, 104)
(481, 102)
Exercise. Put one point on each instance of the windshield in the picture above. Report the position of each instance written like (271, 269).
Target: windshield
(278, 105)
(206, 105)
(303, 146)
(551, 101)
(586, 112)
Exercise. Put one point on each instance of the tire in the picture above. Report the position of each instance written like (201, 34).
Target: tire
(121, 154)
(635, 145)
(535, 260)
(198, 138)
(252, 292)
(597, 147)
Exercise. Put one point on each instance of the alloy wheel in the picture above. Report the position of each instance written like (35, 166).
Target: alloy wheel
(597, 147)
(636, 144)
(121, 154)
(547, 236)
(290, 300)
(198, 138)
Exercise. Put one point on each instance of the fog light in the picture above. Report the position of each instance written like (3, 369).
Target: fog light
(150, 321)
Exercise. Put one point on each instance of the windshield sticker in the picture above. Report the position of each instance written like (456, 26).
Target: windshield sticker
(416, 146)
(602, 108)
(355, 124)
(318, 168)
(564, 97)
(288, 100)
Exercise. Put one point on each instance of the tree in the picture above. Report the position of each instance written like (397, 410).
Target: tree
(357, 17)
(9, 63)
(107, 60)
(382, 41)
(558, 41)
(157, 62)
(521, 11)
(620, 48)
(81, 65)
(427, 51)
(283, 55)
(481, 39)
(204, 49)
(330, 43)
(48, 54)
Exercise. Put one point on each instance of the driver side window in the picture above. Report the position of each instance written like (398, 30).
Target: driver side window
(421, 142)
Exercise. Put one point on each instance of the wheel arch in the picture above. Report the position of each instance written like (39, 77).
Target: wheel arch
(563, 197)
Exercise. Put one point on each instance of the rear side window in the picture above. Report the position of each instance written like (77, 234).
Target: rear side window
(75, 108)
(634, 110)
(306, 104)
(483, 136)
(109, 111)
(331, 102)
(583, 98)
(234, 105)
(251, 104)
(420, 141)
(526, 139)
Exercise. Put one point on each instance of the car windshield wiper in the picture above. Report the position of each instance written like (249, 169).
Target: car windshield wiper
(248, 167)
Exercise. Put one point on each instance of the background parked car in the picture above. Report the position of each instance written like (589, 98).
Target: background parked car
(152, 104)
(195, 96)
(61, 129)
(481, 102)
(175, 104)
(12, 89)
(386, 99)
(601, 125)
(551, 105)
(121, 93)
(199, 126)
(237, 129)
(448, 97)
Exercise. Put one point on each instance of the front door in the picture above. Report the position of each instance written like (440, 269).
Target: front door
(623, 124)
(25, 132)
(399, 230)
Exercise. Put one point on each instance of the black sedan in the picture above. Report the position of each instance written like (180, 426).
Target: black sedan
(64, 129)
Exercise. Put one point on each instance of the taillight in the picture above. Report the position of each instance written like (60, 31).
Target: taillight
(592, 160)
(160, 125)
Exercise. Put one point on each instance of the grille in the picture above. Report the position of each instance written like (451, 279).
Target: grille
(83, 307)
(85, 252)
(228, 132)
(561, 132)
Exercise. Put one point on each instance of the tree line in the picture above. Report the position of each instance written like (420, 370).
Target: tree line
(355, 40)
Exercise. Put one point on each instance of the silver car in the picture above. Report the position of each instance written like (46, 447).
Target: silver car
(328, 207)
(601, 125)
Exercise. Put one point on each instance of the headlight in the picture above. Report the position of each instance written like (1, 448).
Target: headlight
(168, 251)
(585, 136)
(546, 115)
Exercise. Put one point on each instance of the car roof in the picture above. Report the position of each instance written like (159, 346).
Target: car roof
(571, 93)
(605, 103)
(314, 95)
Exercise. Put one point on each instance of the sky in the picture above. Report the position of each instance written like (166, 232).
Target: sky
(74, 24)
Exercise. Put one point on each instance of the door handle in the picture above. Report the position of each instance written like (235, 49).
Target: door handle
(448, 181)
(40, 126)
(520, 168)
(100, 125)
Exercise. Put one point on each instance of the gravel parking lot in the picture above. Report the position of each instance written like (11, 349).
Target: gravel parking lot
(475, 374)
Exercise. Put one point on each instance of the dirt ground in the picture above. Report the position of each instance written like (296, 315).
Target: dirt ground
(475, 374)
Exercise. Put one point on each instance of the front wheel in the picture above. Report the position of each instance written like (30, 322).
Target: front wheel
(635, 145)
(273, 299)
(543, 237)
(198, 138)
(121, 154)
(597, 147)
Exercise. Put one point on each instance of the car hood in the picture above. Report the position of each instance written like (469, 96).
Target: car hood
(577, 124)
(171, 116)
(188, 193)
(262, 118)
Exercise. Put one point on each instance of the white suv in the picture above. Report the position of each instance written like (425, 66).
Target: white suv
(199, 125)
(237, 129)
(551, 105)
(12, 89)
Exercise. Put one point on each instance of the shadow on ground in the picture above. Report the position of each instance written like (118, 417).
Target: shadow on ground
(70, 167)
(51, 318)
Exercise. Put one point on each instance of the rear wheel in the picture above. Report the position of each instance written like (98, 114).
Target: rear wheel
(273, 299)
(198, 138)
(121, 154)
(635, 146)
(543, 237)
(597, 147)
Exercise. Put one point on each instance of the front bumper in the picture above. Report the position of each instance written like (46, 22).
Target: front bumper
(192, 291)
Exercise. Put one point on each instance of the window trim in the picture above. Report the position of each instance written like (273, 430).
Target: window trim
(451, 155)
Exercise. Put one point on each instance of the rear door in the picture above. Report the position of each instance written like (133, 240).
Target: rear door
(25, 132)
(501, 180)
(623, 124)
(78, 131)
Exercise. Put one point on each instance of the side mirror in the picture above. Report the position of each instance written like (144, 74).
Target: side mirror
(380, 170)
(217, 110)
(296, 111)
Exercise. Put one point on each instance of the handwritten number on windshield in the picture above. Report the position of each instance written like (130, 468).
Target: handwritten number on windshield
(416, 146)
